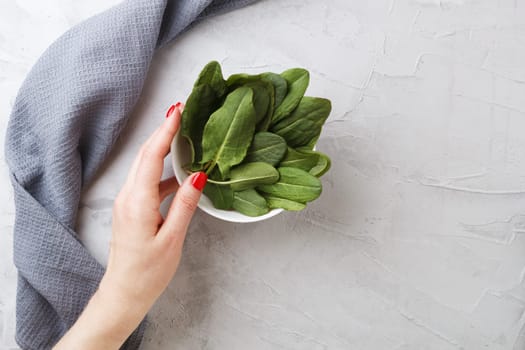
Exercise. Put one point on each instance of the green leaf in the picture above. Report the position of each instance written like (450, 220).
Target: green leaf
(229, 132)
(316, 163)
(266, 147)
(297, 80)
(262, 99)
(323, 163)
(249, 175)
(280, 86)
(263, 96)
(216, 175)
(236, 80)
(193, 167)
(294, 184)
(300, 160)
(276, 202)
(250, 203)
(206, 97)
(211, 75)
(220, 196)
(201, 103)
(303, 127)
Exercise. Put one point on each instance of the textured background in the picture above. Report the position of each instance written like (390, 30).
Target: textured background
(418, 241)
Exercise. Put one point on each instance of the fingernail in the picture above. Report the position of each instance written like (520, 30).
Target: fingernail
(180, 106)
(199, 181)
(170, 111)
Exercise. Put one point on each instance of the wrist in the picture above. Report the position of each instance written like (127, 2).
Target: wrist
(112, 316)
(106, 322)
(128, 309)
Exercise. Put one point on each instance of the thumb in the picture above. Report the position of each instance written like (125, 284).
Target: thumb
(183, 206)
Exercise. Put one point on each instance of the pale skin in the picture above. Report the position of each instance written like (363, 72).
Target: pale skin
(145, 248)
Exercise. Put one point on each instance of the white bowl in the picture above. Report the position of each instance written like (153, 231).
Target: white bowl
(180, 155)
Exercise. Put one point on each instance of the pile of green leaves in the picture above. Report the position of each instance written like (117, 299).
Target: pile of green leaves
(254, 136)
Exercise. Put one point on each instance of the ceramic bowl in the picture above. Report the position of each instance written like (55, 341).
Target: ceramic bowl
(180, 155)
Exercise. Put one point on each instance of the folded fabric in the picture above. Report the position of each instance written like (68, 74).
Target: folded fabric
(66, 118)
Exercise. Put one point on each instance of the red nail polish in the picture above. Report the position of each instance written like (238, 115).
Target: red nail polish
(170, 111)
(178, 104)
(199, 181)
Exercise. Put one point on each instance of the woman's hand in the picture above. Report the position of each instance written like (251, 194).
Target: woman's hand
(145, 248)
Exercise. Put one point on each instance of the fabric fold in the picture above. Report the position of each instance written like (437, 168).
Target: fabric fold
(67, 116)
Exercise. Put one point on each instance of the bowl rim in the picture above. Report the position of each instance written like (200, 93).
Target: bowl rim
(225, 215)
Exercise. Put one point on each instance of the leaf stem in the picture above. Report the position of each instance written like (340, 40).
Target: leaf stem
(223, 183)
(210, 167)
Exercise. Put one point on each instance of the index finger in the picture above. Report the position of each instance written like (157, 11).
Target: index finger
(151, 163)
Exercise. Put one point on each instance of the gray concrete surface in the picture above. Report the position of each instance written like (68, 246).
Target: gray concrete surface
(418, 239)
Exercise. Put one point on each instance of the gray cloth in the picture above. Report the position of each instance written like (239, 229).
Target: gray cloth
(66, 118)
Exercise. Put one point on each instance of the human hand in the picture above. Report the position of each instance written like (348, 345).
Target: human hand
(145, 248)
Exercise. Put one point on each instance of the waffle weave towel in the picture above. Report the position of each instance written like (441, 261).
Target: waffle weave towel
(66, 118)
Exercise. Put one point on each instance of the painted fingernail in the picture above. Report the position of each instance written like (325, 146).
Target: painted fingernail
(170, 111)
(180, 106)
(199, 181)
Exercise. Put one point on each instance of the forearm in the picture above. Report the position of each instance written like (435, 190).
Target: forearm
(106, 322)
